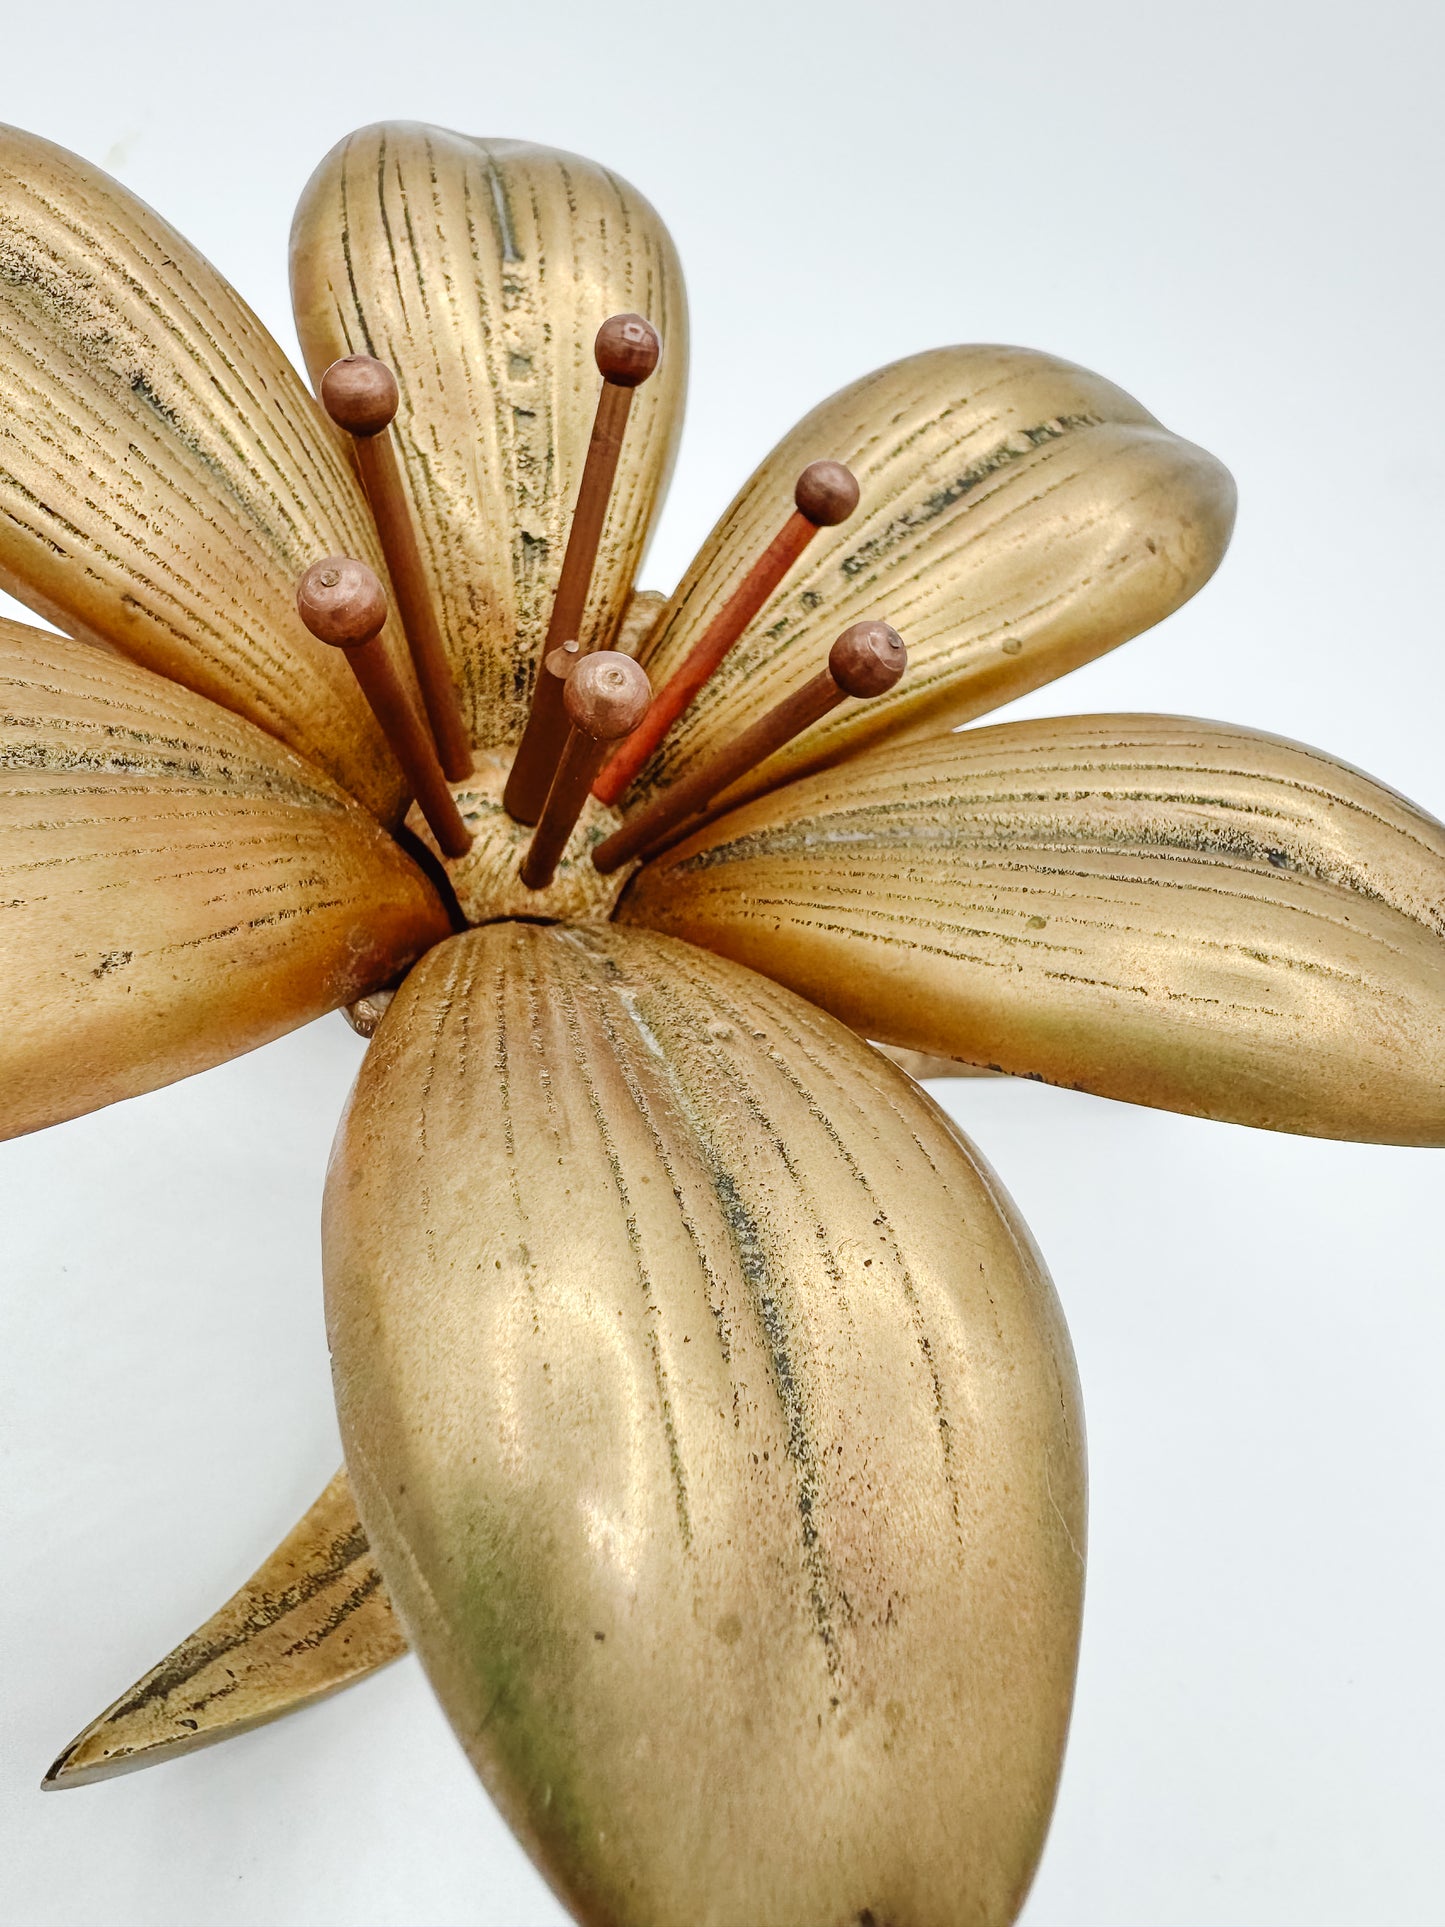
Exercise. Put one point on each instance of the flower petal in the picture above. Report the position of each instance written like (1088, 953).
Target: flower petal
(1019, 516)
(165, 478)
(176, 886)
(481, 271)
(921, 1064)
(313, 1618)
(716, 1429)
(1172, 912)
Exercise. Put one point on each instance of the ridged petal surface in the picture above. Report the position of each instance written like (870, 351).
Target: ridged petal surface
(715, 1427)
(165, 479)
(313, 1618)
(1018, 517)
(481, 270)
(175, 885)
(1173, 912)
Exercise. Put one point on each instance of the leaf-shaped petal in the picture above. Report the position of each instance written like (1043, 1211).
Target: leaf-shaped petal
(165, 478)
(481, 270)
(1018, 517)
(1173, 912)
(176, 886)
(313, 1618)
(716, 1430)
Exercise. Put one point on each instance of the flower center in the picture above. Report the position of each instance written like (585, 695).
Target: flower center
(487, 881)
(537, 834)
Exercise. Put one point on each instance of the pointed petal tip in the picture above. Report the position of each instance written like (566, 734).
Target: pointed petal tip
(313, 1618)
(59, 1774)
(95, 1754)
(91, 1757)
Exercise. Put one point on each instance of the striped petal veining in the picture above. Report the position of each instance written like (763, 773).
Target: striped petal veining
(165, 479)
(1172, 912)
(176, 886)
(1019, 516)
(715, 1427)
(313, 1618)
(481, 270)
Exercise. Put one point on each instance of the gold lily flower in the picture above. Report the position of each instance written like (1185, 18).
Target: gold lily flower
(712, 1426)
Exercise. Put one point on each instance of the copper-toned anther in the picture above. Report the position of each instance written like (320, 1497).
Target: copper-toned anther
(627, 349)
(866, 660)
(341, 602)
(826, 494)
(606, 694)
(360, 395)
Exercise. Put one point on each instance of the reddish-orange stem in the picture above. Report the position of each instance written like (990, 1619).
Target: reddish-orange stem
(705, 656)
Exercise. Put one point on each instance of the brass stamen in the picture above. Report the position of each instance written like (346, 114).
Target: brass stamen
(866, 660)
(360, 395)
(627, 351)
(826, 494)
(341, 602)
(606, 694)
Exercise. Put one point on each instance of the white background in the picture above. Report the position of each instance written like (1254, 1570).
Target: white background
(1233, 211)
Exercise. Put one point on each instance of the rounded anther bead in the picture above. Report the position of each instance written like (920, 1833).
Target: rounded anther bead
(360, 394)
(867, 659)
(341, 602)
(607, 695)
(627, 349)
(827, 493)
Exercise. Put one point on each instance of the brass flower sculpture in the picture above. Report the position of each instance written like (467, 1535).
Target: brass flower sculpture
(711, 1421)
